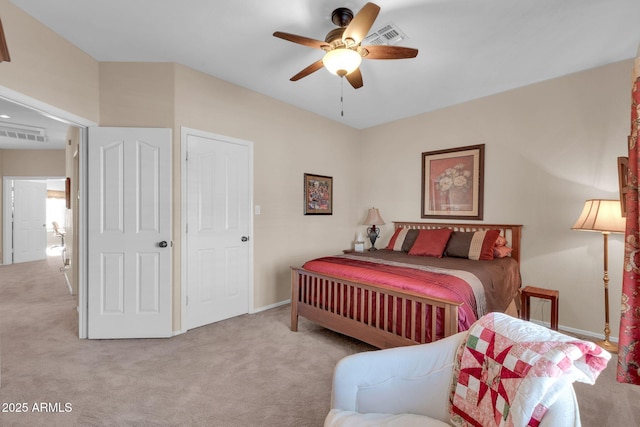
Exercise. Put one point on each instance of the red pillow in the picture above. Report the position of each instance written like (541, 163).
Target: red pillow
(431, 242)
(395, 237)
(489, 241)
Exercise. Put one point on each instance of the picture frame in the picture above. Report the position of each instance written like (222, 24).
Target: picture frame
(453, 183)
(318, 194)
(623, 183)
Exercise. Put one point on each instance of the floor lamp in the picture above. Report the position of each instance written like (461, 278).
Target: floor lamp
(604, 216)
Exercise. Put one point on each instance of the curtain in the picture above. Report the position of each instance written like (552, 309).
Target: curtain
(629, 344)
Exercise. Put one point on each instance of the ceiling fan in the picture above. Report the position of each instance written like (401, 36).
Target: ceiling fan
(343, 48)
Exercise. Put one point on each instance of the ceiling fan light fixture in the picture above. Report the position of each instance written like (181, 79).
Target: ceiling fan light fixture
(341, 61)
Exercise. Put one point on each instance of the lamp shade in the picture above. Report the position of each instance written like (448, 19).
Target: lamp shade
(341, 61)
(374, 218)
(601, 215)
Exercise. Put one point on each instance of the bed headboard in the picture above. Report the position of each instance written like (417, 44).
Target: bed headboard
(511, 232)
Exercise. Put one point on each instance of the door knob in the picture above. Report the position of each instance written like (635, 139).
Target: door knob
(245, 238)
(163, 244)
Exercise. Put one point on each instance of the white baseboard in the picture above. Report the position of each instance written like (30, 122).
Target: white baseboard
(269, 307)
(254, 311)
(581, 332)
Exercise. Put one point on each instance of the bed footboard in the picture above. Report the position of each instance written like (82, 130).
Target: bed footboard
(381, 316)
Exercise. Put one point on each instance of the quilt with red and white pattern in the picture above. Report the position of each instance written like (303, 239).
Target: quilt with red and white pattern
(510, 371)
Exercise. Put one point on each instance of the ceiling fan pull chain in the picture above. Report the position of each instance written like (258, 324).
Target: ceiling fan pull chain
(342, 96)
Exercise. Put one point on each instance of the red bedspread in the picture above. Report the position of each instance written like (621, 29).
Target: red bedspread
(433, 284)
(481, 286)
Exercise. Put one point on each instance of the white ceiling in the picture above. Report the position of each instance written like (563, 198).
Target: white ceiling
(467, 48)
(24, 117)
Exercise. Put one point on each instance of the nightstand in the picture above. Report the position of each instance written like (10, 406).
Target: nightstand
(549, 294)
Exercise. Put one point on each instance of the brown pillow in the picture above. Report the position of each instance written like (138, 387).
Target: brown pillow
(476, 245)
(409, 240)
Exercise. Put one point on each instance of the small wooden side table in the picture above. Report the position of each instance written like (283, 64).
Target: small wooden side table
(549, 294)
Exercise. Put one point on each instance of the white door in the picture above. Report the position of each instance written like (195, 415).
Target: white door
(29, 221)
(129, 237)
(218, 226)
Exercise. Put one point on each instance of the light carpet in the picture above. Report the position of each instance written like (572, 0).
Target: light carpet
(246, 371)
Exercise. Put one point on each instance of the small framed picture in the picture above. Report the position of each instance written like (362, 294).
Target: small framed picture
(453, 183)
(318, 194)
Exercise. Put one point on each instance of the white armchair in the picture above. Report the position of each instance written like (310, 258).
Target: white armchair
(410, 386)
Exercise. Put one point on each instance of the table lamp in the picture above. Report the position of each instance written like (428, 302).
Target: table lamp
(373, 219)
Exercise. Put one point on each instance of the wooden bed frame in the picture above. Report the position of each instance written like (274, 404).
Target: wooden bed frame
(336, 298)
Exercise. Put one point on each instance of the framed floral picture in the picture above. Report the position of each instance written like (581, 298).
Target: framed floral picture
(318, 194)
(453, 183)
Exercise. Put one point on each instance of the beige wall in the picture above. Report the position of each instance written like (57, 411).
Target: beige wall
(549, 147)
(32, 163)
(46, 67)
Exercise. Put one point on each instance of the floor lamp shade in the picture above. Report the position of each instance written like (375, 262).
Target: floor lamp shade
(601, 215)
(604, 216)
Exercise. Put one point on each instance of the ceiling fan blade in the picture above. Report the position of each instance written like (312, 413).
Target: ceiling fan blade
(355, 78)
(390, 52)
(357, 30)
(306, 41)
(310, 69)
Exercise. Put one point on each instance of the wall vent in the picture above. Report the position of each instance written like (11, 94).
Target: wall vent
(22, 132)
(386, 35)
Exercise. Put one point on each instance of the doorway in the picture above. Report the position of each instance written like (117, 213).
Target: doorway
(30, 206)
(217, 224)
(35, 113)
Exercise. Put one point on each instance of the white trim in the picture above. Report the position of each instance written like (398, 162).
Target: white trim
(270, 306)
(51, 111)
(83, 236)
(183, 229)
(184, 132)
(7, 237)
(580, 332)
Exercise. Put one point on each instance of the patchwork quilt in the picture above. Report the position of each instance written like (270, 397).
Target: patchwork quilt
(508, 371)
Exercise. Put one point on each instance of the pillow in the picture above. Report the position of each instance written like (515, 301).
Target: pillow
(401, 233)
(502, 251)
(431, 242)
(412, 235)
(501, 241)
(475, 245)
(402, 239)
